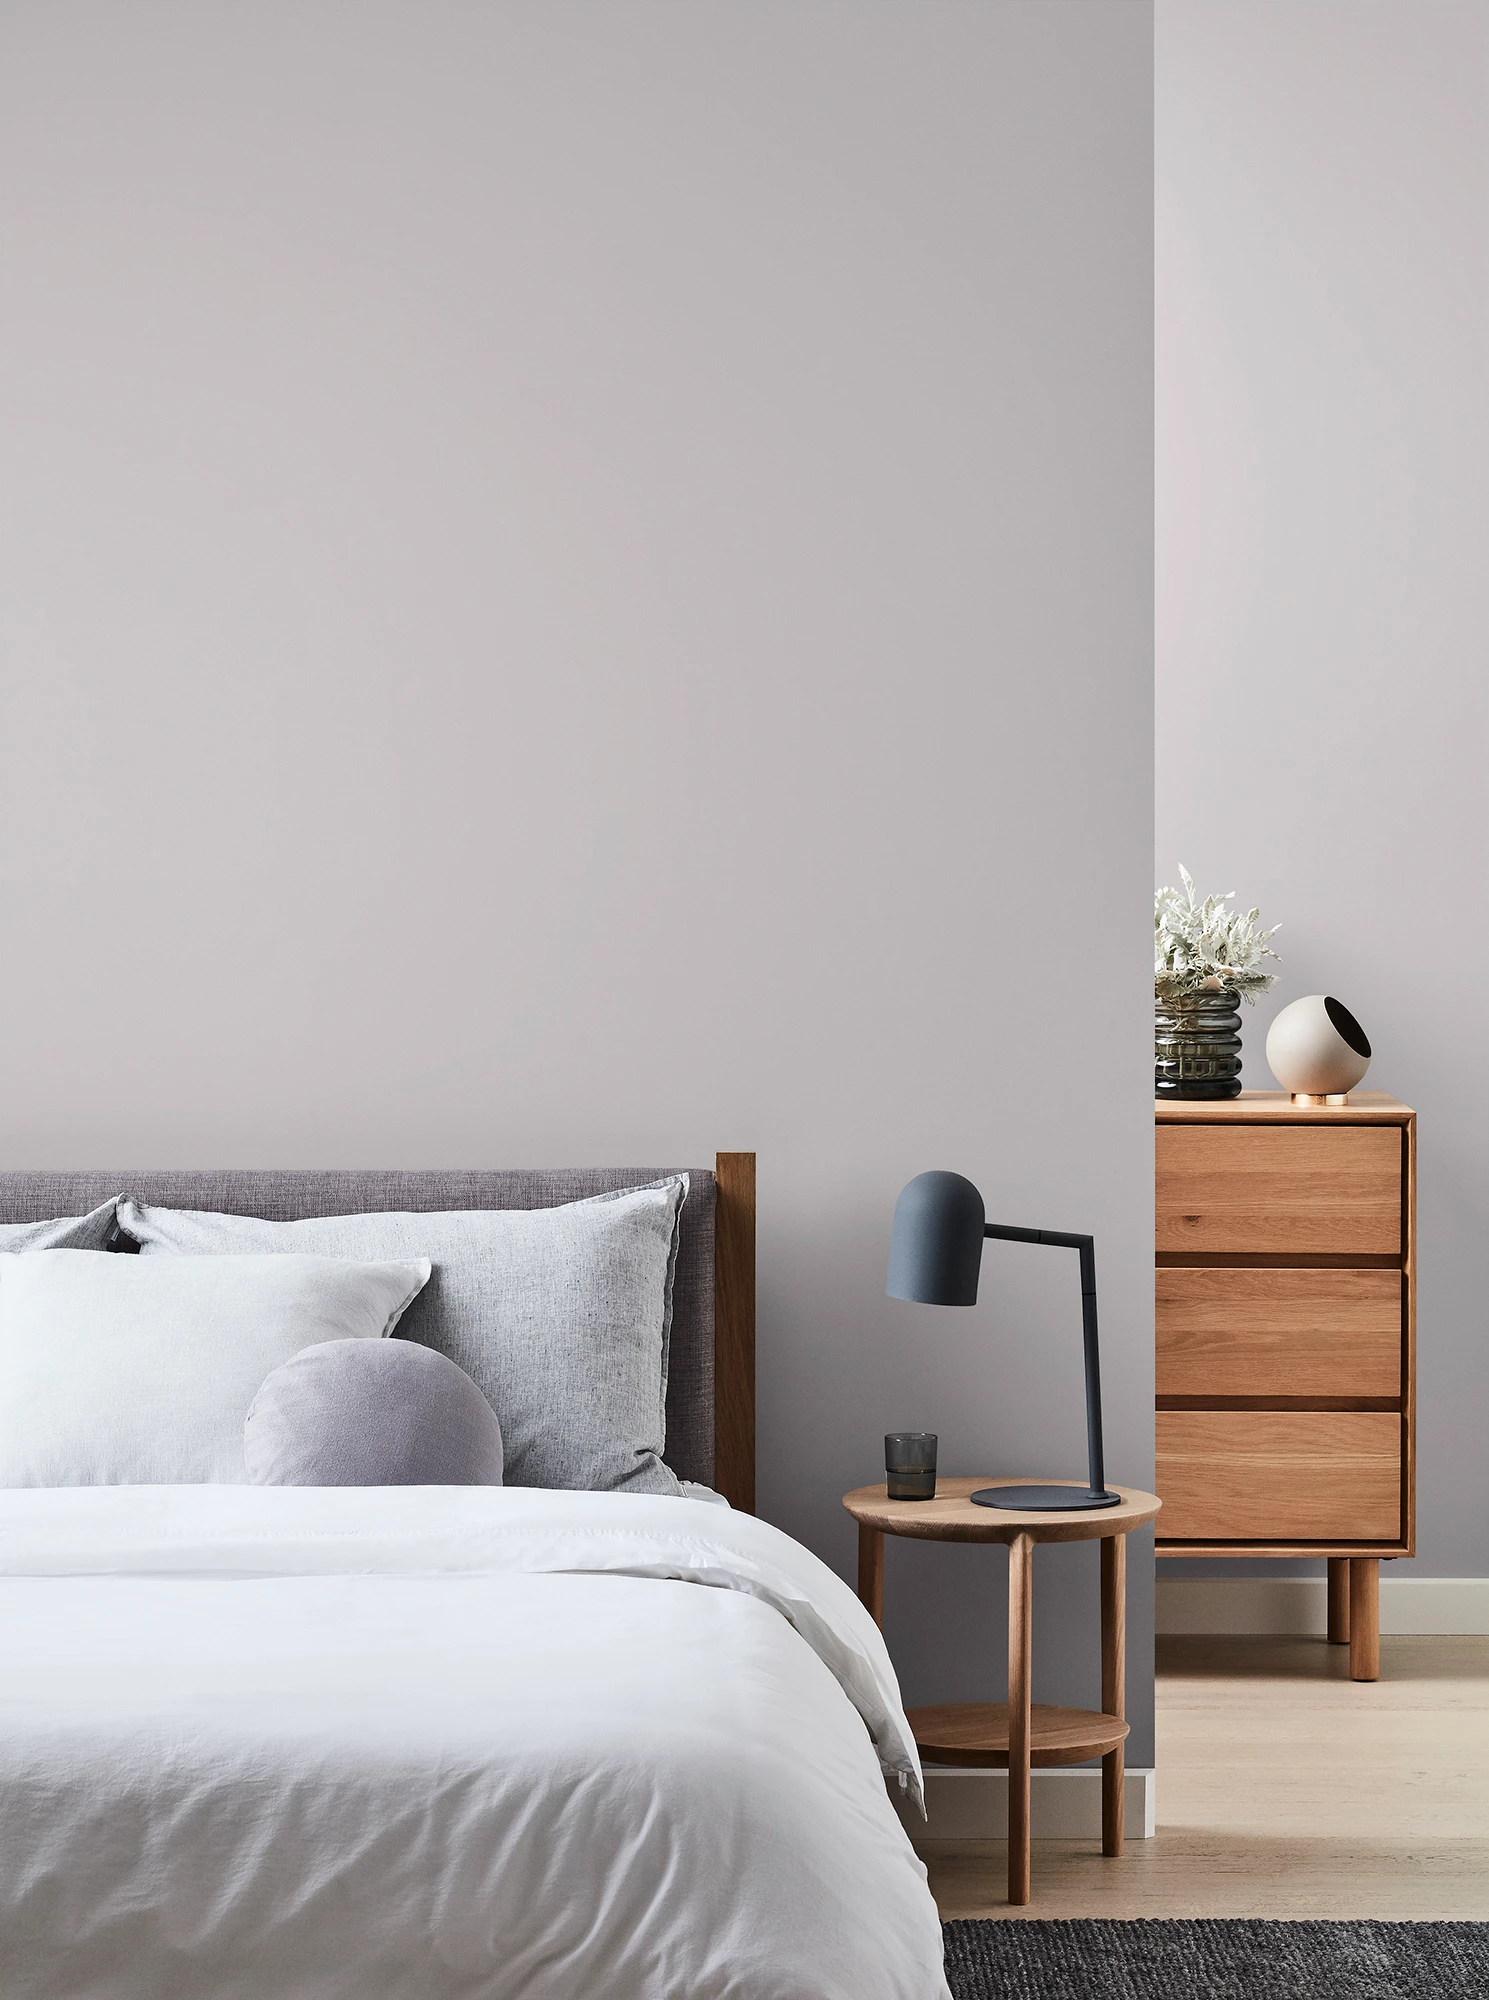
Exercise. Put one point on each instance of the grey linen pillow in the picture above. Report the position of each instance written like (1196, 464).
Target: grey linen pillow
(371, 1413)
(68, 1232)
(560, 1315)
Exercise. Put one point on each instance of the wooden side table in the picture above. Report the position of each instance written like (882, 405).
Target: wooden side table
(1018, 1733)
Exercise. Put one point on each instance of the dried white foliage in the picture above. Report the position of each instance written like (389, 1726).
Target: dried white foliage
(1203, 946)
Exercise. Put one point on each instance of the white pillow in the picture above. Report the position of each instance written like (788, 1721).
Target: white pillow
(133, 1371)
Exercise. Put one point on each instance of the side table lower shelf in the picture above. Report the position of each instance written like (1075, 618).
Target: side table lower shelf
(976, 1733)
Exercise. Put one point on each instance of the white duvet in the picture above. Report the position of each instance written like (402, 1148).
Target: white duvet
(437, 1742)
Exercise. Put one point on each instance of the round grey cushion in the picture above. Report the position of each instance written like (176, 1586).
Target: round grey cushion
(371, 1413)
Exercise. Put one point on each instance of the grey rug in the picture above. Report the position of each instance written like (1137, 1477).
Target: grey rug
(1184, 1959)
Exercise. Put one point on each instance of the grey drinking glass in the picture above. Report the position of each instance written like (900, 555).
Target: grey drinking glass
(910, 1464)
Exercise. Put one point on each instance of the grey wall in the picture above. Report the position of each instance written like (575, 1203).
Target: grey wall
(579, 589)
(1323, 594)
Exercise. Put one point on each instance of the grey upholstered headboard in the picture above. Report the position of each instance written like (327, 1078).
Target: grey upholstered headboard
(706, 1413)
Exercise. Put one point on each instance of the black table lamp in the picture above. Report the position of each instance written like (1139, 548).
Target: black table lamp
(935, 1253)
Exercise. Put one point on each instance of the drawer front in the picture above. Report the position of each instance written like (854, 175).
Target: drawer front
(1242, 1332)
(1266, 1189)
(1280, 1475)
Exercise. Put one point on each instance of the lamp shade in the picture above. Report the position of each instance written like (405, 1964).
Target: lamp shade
(935, 1249)
(1316, 1047)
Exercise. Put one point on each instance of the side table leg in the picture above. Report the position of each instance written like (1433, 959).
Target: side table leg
(871, 1572)
(1364, 1618)
(1020, 1676)
(1338, 1600)
(1113, 1684)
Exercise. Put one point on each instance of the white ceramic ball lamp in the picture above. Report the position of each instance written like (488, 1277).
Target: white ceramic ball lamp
(1317, 1050)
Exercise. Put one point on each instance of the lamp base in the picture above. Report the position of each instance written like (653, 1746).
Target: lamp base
(1043, 1499)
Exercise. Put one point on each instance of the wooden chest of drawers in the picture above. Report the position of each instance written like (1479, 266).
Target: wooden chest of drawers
(1285, 1313)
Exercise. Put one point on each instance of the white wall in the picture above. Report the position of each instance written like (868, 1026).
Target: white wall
(1323, 591)
(578, 589)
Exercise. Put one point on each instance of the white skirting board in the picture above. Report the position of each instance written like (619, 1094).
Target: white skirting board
(1063, 1805)
(1276, 1605)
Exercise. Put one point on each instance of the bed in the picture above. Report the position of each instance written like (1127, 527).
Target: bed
(451, 1743)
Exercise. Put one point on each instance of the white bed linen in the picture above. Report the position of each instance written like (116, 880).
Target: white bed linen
(435, 1743)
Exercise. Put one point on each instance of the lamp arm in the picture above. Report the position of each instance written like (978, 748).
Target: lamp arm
(1086, 1245)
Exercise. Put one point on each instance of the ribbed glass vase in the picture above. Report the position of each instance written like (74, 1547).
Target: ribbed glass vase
(1197, 1045)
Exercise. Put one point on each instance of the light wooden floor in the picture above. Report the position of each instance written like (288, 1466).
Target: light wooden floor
(1285, 1789)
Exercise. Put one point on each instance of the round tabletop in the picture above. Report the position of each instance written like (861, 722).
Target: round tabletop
(951, 1517)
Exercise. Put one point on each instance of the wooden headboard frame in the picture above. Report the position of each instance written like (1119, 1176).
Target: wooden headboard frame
(734, 1328)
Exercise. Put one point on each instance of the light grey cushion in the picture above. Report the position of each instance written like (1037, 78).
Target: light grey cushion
(371, 1413)
(126, 1371)
(560, 1315)
(68, 1232)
